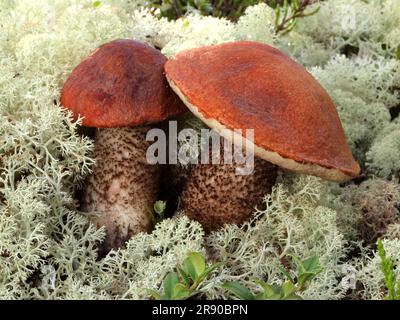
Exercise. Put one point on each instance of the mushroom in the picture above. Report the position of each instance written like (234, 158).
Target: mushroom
(248, 85)
(120, 89)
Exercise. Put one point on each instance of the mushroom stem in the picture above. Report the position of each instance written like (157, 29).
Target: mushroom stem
(123, 186)
(215, 195)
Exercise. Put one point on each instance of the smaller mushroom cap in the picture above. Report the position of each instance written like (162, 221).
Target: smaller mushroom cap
(248, 85)
(121, 83)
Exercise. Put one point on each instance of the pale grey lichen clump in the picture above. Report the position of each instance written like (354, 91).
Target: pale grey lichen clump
(125, 274)
(364, 90)
(48, 249)
(384, 154)
(293, 219)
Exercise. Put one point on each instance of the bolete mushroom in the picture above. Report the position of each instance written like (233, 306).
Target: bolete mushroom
(120, 89)
(248, 85)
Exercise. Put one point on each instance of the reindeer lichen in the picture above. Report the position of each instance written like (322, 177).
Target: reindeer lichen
(48, 248)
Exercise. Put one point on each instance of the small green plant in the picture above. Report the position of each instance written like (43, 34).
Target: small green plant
(306, 271)
(391, 282)
(158, 212)
(288, 12)
(96, 4)
(185, 281)
(173, 9)
(159, 208)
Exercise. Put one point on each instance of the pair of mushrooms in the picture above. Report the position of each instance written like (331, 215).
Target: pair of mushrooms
(121, 89)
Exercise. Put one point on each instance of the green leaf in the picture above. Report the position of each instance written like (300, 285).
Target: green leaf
(210, 269)
(170, 281)
(239, 290)
(300, 265)
(290, 27)
(206, 272)
(194, 265)
(181, 292)
(185, 277)
(189, 269)
(303, 279)
(312, 12)
(286, 274)
(272, 4)
(312, 265)
(263, 296)
(293, 296)
(287, 289)
(285, 8)
(295, 5)
(277, 16)
(269, 292)
(96, 4)
(306, 270)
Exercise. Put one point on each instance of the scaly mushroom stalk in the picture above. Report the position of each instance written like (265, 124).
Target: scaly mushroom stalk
(123, 186)
(215, 195)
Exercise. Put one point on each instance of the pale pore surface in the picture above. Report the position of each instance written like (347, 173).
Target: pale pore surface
(123, 186)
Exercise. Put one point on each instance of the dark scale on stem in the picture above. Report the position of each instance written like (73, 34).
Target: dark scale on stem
(214, 195)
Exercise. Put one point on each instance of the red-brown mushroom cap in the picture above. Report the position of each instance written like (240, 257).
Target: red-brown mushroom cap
(121, 83)
(248, 85)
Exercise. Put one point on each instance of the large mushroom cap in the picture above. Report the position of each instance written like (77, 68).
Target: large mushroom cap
(121, 83)
(248, 85)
